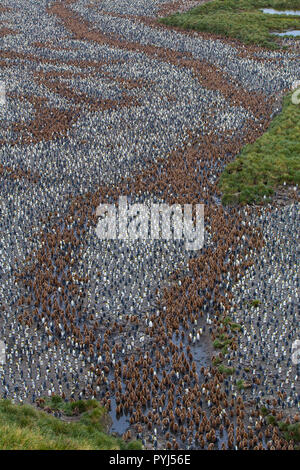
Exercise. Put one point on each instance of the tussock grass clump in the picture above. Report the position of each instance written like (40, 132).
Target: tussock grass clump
(290, 431)
(221, 344)
(73, 408)
(255, 303)
(226, 370)
(240, 384)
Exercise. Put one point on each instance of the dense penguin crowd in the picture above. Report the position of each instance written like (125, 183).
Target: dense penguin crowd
(268, 299)
(101, 101)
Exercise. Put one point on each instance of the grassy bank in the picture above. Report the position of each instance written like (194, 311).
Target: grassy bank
(267, 163)
(239, 19)
(290, 431)
(23, 427)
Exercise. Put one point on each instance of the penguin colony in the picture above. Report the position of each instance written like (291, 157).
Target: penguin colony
(101, 101)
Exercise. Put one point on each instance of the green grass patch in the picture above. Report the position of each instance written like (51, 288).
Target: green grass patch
(216, 361)
(264, 411)
(240, 384)
(221, 344)
(232, 325)
(236, 327)
(239, 19)
(255, 303)
(223, 340)
(270, 419)
(290, 431)
(226, 370)
(22, 427)
(267, 163)
(75, 408)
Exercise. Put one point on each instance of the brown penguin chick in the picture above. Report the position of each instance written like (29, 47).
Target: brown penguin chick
(175, 445)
